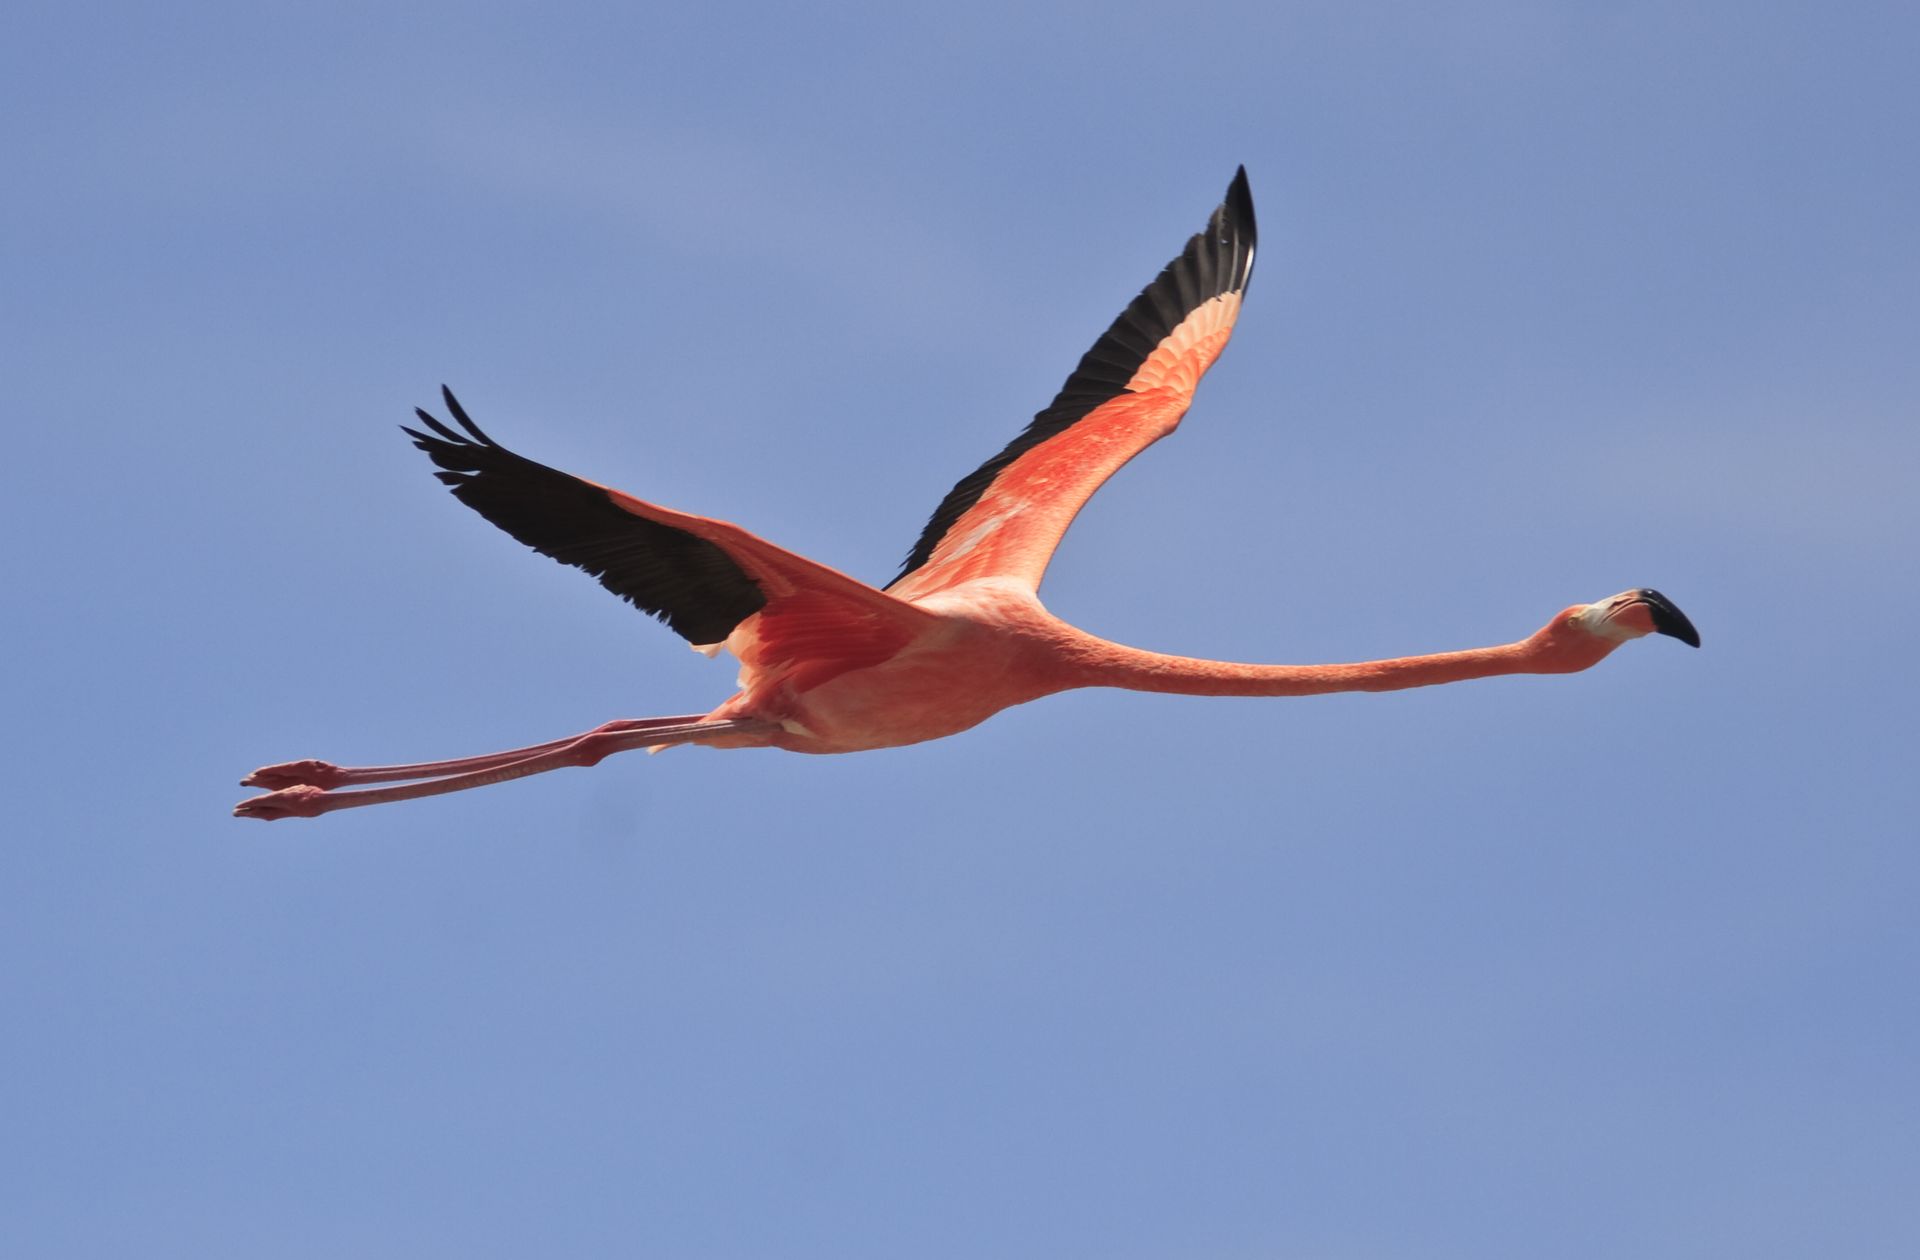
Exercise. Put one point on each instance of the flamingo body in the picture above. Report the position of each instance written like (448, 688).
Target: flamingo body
(829, 664)
(987, 646)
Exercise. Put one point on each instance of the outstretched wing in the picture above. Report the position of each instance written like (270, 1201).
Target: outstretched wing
(1006, 517)
(702, 577)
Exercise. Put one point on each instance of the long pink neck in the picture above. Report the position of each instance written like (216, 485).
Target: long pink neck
(1104, 664)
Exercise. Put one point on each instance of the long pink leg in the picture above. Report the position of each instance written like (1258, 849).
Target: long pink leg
(324, 774)
(308, 801)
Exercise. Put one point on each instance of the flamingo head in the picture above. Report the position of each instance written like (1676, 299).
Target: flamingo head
(1631, 614)
(1582, 635)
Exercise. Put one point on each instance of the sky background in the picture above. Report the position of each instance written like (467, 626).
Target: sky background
(1553, 300)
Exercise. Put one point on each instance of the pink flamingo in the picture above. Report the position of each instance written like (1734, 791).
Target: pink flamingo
(829, 664)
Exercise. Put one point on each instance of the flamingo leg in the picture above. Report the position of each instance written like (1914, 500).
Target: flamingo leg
(306, 800)
(324, 774)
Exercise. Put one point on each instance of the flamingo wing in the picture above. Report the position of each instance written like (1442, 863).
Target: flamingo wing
(1005, 518)
(702, 577)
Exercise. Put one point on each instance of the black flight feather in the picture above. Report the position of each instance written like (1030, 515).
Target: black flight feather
(685, 581)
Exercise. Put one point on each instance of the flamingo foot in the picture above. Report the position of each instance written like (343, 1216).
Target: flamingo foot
(300, 801)
(287, 774)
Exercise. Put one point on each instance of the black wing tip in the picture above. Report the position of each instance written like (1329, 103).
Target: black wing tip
(445, 435)
(1237, 208)
(474, 432)
(460, 456)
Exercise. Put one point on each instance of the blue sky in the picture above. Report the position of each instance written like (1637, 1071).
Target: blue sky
(1553, 301)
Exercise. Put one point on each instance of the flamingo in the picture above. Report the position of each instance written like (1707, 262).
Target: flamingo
(829, 664)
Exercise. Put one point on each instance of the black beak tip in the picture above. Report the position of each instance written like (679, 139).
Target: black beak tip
(1669, 620)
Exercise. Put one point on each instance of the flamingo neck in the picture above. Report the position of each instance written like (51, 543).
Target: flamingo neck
(1112, 665)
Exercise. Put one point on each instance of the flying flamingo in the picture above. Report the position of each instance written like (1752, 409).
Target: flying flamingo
(829, 664)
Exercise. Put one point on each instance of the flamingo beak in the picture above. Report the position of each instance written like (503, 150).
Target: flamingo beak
(1666, 618)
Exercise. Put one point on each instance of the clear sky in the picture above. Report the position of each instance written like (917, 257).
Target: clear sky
(1554, 300)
